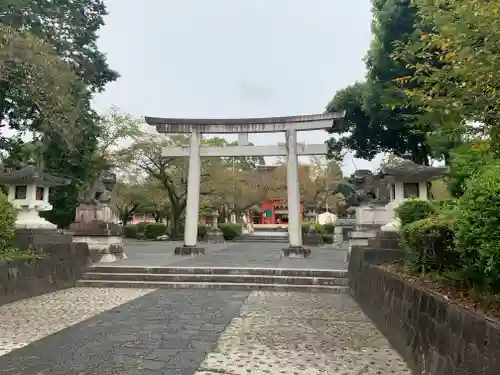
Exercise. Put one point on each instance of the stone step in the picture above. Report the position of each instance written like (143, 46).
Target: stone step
(202, 285)
(268, 239)
(288, 272)
(244, 279)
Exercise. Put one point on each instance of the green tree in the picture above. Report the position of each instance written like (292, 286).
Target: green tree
(70, 28)
(36, 85)
(145, 156)
(115, 129)
(466, 161)
(374, 123)
(455, 65)
(241, 162)
(356, 132)
(128, 197)
(156, 202)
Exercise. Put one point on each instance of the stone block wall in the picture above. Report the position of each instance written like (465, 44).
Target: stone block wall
(56, 268)
(434, 335)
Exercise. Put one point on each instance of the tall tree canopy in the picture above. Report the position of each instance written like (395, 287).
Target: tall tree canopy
(374, 124)
(69, 31)
(455, 65)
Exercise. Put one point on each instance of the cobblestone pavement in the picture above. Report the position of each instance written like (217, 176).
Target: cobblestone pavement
(296, 333)
(161, 332)
(145, 253)
(28, 320)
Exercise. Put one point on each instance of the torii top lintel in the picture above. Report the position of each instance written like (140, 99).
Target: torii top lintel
(245, 125)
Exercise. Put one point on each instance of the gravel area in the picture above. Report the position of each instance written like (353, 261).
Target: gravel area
(296, 333)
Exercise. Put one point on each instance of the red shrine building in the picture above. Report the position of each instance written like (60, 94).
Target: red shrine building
(274, 211)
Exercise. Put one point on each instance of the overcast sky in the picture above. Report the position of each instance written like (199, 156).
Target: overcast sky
(234, 58)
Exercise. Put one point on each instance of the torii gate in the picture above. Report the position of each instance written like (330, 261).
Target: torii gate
(196, 127)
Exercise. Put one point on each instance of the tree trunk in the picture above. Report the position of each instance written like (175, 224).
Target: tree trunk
(175, 227)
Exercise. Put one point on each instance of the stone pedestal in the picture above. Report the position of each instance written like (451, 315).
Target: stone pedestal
(104, 240)
(189, 250)
(313, 238)
(373, 215)
(296, 252)
(215, 235)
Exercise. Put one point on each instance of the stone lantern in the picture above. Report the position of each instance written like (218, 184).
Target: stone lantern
(407, 180)
(28, 191)
(214, 234)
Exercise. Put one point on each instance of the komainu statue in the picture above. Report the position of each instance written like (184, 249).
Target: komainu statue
(362, 188)
(97, 221)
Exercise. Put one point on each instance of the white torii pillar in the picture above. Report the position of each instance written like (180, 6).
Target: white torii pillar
(293, 187)
(193, 191)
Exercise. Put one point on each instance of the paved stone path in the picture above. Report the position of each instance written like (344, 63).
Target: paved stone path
(161, 332)
(90, 331)
(147, 253)
(298, 333)
(87, 331)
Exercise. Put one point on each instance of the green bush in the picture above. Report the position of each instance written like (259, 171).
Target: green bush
(478, 230)
(466, 161)
(154, 230)
(130, 231)
(319, 228)
(327, 238)
(202, 231)
(7, 222)
(429, 244)
(412, 210)
(141, 226)
(329, 228)
(230, 230)
(305, 226)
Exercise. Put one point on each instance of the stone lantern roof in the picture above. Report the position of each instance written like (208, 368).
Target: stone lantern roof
(407, 171)
(29, 175)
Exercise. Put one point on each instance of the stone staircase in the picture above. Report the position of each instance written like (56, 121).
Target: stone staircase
(262, 238)
(273, 235)
(275, 279)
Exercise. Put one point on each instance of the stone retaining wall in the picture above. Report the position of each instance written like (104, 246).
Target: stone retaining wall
(58, 267)
(433, 335)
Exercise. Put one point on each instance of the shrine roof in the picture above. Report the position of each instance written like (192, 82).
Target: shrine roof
(406, 170)
(245, 125)
(31, 175)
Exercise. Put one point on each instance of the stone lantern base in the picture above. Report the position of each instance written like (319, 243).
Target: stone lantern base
(215, 235)
(296, 252)
(104, 239)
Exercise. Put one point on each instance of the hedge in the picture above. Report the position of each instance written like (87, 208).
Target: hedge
(151, 231)
(478, 230)
(230, 231)
(412, 210)
(154, 230)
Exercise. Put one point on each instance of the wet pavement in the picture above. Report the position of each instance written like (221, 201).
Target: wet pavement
(268, 255)
(87, 331)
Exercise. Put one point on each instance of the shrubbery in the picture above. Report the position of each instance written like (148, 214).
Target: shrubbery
(7, 222)
(458, 238)
(154, 230)
(202, 231)
(412, 210)
(130, 230)
(478, 229)
(429, 244)
(329, 228)
(8, 216)
(230, 230)
(151, 231)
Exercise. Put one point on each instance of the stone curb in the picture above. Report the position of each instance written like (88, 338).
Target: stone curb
(224, 286)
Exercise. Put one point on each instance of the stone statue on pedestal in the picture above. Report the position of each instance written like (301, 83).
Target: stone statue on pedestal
(96, 202)
(362, 188)
(97, 221)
